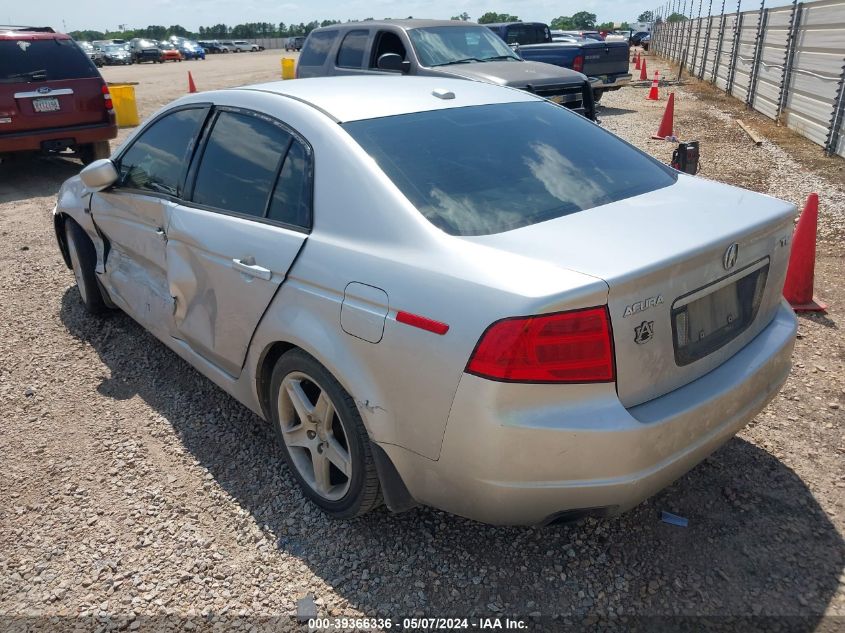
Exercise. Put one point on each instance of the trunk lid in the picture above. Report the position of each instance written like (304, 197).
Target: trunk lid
(663, 254)
(48, 83)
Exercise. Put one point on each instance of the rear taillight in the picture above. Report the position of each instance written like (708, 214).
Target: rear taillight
(107, 98)
(578, 63)
(573, 346)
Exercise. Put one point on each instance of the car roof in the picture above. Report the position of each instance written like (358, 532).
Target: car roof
(497, 24)
(30, 33)
(362, 97)
(403, 24)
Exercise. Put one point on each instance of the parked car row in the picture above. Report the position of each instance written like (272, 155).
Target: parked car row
(139, 50)
(230, 46)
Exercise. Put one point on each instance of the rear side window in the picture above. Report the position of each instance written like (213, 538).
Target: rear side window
(291, 203)
(526, 34)
(516, 34)
(43, 60)
(240, 163)
(317, 47)
(157, 159)
(351, 53)
(489, 169)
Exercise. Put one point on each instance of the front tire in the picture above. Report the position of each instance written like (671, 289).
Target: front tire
(322, 437)
(83, 259)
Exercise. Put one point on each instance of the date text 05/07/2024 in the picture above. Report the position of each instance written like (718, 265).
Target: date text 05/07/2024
(417, 624)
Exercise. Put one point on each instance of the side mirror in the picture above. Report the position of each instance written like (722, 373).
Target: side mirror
(99, 175)
(393, 62)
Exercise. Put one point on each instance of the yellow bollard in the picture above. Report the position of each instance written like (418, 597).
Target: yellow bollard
(125, 106)
(288, 68)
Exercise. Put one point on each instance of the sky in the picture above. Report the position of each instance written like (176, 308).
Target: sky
(107, 15)
(103, 15)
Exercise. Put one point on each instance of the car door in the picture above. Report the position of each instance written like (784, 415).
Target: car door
(133, 215)
(231, 245)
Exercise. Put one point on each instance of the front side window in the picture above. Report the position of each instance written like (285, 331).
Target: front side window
(443, 45)
(317, 48)
(239, 164)
(488, 169)
(351, 53)
(387, 42)
(157, 159)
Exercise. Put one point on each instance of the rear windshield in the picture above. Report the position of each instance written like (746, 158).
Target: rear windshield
(317, 48)
(488, 169)
(43, 60)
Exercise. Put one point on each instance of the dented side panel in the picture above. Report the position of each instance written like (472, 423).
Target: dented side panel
(223, 271)
(134, 264)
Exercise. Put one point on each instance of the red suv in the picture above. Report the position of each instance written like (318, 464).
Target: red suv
(52, 97)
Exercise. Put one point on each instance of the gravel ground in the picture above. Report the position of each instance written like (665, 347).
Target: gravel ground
(134, 489)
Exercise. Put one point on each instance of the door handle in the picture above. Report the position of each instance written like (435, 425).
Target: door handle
(248, 266)
(160, 232)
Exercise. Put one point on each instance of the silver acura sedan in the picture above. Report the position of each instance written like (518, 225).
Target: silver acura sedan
(442, 292)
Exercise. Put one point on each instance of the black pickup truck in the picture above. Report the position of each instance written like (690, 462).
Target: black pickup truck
(605, 63)
(438, 48)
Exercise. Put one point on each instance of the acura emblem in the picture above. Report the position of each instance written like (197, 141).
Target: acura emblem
(43, 90)
(729, 260)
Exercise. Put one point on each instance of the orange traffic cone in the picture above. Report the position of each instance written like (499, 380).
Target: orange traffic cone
(652, 94)
(637, 60)
(798, 288)
(666, 124)
(191, 85)
(643, 72)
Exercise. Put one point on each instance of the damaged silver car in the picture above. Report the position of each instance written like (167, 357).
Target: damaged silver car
(456, 294)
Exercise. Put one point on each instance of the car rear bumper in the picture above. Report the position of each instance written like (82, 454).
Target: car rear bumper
(33, 140)
(531, 454)
(610, 82)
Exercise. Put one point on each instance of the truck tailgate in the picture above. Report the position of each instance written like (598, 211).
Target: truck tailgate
(605, 58)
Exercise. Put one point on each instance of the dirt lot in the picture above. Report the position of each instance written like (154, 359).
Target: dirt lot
(132, 487)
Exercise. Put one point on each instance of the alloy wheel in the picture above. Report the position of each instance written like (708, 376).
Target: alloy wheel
(315, 436)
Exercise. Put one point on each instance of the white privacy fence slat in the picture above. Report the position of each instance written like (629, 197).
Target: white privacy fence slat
(787, 62)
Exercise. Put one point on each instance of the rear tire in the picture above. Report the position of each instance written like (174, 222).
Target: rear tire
(322, 437)
(94, 151)
(597, 95)
(83, 259)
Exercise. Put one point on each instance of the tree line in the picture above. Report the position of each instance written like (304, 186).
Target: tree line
(581, 21)
(250, 30)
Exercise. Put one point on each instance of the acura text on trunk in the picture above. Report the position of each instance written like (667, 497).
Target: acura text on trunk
(454, 294)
